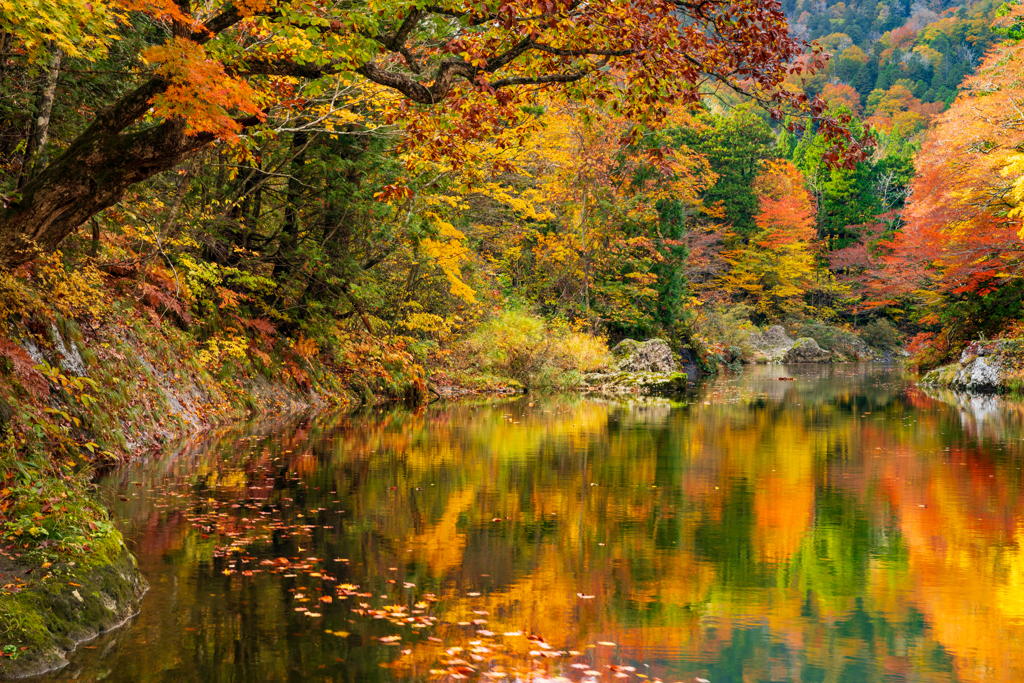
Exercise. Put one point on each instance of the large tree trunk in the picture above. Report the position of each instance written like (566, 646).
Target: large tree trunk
(92, 175)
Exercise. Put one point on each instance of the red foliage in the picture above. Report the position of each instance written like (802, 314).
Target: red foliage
(961, 234)
(24, 368)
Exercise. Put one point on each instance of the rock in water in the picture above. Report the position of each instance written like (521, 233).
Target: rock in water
(980, 375)
(806, 350)
(653, 355)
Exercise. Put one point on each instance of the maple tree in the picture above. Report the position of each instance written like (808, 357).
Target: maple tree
(775, 268)
(221, 69)
(960, 251)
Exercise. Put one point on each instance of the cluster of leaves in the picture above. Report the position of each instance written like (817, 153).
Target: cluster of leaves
(956, 263)
(515, 345)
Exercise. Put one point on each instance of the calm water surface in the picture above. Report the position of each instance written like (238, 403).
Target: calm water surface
(844, 526)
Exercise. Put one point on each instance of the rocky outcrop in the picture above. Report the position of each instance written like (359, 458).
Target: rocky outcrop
(772, 338)
(653, 355)
(646, 368)
(73, 604)
(771, 345)
(984, 368)
(806, 350)
(835, 345)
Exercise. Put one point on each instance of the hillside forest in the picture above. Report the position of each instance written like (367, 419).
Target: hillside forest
(389, 199)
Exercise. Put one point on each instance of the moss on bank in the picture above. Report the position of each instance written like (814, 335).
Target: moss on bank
(72, 602)
(78, 394)
(989, 367)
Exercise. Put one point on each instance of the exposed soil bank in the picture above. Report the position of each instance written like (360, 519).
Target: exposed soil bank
(77, 397)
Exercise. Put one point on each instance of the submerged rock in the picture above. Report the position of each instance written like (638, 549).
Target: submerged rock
(653, 355)
(806, 350)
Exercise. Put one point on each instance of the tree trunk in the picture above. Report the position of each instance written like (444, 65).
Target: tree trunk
(92, 175)
(290, 232)
(35, 152)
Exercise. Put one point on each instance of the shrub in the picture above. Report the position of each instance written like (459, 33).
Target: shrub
(727, 332)
(882, 334)
(523, 347)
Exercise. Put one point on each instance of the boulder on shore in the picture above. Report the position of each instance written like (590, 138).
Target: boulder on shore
(772, 338)
(806, 350)
(646, 368)
(771, 345)
(994, 367)
(653, 355)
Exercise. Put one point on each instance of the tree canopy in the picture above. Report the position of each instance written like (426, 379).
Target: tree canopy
(229, 71)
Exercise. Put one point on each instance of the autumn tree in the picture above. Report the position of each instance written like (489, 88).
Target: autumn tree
(774, 270)
(223, 71)
(589, 224)
(960, 253)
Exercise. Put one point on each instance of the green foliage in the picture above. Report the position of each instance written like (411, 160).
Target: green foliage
(880, 333)
(726, 333)
(523, 347)
(735, 144)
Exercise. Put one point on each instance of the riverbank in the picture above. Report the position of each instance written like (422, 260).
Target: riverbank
(984, 367)
(85, 388)
(95, 370)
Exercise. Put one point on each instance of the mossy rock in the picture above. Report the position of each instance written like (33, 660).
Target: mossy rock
(642, 383)
(806, 350)
(625, 348)
(76, 603)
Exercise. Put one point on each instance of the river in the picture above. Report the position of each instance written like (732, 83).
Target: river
(842, 526)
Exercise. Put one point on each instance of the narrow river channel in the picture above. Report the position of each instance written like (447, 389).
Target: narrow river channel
(841, 527)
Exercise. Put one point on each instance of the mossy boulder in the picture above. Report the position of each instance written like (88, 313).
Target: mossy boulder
(806, 350)
(653, 355)
(641, 383)
(76, 602)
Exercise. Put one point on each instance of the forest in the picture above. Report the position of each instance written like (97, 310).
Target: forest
(232, 173)
(213, 210)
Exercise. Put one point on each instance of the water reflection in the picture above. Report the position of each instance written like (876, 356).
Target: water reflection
(843, 526)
